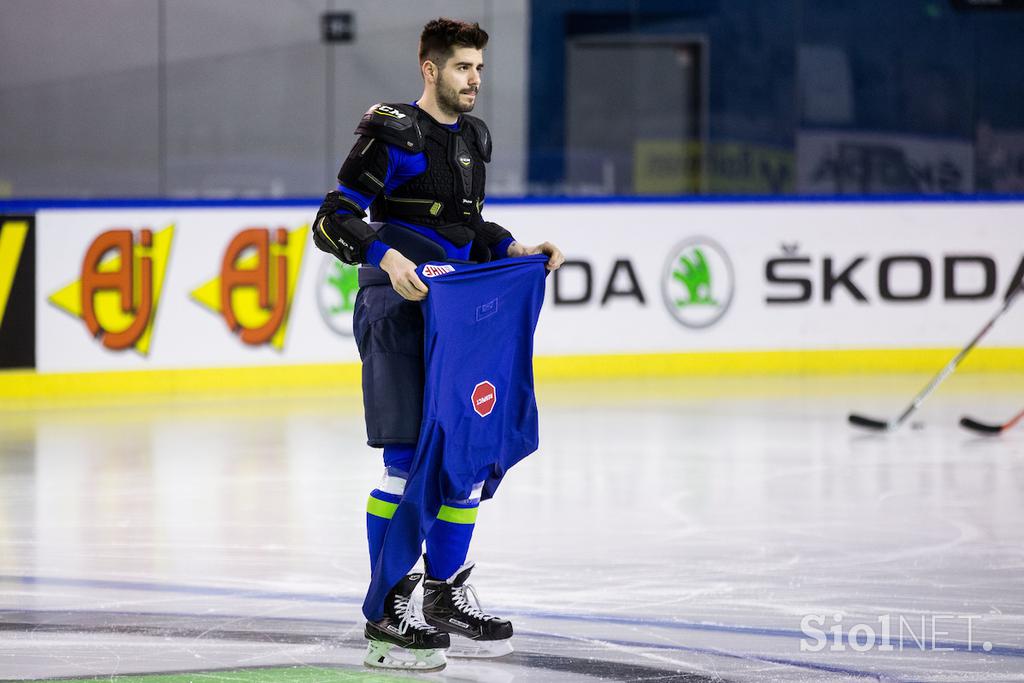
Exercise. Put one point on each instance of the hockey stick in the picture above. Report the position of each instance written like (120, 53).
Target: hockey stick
(984, 428)
(872, 423)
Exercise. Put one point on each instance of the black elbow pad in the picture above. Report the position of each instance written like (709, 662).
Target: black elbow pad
(490, 233)
(344, 234)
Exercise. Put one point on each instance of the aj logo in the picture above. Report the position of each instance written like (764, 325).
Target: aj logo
(12, 241)
(117, 294)
(254, 290)
(697, 284)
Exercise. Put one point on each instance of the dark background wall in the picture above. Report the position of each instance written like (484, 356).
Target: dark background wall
(242, 98)
(917, 72)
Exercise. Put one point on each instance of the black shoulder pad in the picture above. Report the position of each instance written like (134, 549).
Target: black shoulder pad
(482, 135)
(395, 124)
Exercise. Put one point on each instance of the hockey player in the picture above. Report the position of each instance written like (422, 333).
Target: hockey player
(419, 169)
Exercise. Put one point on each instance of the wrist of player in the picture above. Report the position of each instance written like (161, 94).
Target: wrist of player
(516, 249)
(402, 272)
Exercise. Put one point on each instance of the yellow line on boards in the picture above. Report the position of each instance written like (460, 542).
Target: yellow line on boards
(27, 384)
(846, 361)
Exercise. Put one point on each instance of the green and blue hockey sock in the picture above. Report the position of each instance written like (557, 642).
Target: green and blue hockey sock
(449, 537)
(380, 508)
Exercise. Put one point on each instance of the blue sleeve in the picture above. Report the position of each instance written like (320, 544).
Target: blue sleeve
(375, 252)
(402, 166)
(500, 250)
(358, 197)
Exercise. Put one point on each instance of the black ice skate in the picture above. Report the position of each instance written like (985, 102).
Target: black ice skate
(447, 607)
(402, 640)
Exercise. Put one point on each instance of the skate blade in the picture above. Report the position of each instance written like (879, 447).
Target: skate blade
(466, 648)
(381, 655)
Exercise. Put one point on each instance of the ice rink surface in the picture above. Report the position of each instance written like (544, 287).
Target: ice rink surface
(674, 530)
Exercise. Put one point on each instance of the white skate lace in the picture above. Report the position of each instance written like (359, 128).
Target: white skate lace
(460, 600)
(409, 614)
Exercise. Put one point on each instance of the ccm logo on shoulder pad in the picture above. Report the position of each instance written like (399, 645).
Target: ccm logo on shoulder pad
(389, 111)
(431, 270)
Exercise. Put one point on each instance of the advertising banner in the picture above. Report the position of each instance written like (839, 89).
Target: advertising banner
(17, 292)
(1000, 160)
(188, 288)
(198, 288)
(664, 166)
(853, 162)
(774, 276)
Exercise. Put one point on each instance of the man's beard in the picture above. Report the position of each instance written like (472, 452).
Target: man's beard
(448, 99)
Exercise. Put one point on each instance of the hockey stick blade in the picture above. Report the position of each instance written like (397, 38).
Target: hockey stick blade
(973, 424)
(945, 372)
(980, 427)
(867, 422)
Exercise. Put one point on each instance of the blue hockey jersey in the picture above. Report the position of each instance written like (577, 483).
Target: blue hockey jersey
(479, 410)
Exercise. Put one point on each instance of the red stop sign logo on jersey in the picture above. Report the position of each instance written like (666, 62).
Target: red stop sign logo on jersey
(483, 398)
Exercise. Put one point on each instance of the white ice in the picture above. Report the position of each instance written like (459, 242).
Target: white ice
(674, 530)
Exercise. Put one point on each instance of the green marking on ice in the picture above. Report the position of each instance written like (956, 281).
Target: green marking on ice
(303, 674)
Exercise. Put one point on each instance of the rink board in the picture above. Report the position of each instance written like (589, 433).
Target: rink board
(239, 296)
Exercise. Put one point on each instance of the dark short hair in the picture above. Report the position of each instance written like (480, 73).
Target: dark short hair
(441, 36)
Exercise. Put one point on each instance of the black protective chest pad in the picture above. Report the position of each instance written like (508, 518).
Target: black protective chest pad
(454, 169)
(452, 185)
(464, 164)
